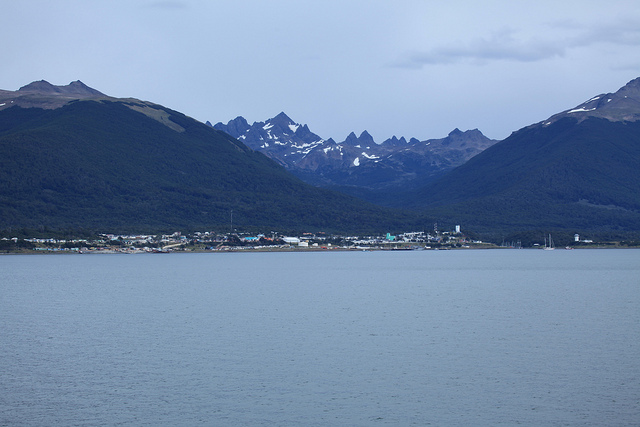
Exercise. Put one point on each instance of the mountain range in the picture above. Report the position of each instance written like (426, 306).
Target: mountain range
(73, 157)
(358, 164)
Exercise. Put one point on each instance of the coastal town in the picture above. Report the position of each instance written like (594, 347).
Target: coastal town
(208, 241)
(211, 242)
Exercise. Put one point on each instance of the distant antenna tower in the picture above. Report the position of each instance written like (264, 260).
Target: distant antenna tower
(435, 228)
(232, 220)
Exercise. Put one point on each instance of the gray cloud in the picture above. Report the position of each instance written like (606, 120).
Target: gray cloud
(505, 46)
(626, 32)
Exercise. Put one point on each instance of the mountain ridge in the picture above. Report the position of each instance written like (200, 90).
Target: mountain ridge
(358, 162)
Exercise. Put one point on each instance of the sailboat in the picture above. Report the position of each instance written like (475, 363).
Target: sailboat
(548, 246)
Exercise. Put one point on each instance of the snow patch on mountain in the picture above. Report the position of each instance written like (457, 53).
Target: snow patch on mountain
(621, 106)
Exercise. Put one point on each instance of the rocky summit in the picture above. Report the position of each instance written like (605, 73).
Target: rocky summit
(620, 106)
(42, 94)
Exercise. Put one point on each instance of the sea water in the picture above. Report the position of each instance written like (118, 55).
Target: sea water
(468, 337)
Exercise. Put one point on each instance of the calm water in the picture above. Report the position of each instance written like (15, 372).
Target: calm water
(335, 338)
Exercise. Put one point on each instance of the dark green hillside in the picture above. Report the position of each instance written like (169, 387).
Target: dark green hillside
(102, 165)
(565, 176)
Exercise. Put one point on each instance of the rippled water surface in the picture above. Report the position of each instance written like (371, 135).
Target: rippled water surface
(334, 338)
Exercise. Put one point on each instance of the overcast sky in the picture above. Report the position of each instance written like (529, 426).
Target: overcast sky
(413, 68)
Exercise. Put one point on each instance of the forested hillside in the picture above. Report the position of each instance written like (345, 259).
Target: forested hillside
(105, 165)
(567, 175)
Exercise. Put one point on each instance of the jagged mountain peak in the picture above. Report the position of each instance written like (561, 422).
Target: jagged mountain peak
(470, 133)
(394, 141)
(351, 138)
(279, 137)
(281, 118)
(364, 139)
(283, 125)
(236, 127)
(366, 136)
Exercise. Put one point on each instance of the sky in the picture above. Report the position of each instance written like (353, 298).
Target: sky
(412, 68)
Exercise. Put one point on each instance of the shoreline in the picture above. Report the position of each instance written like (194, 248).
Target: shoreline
(290, 249)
